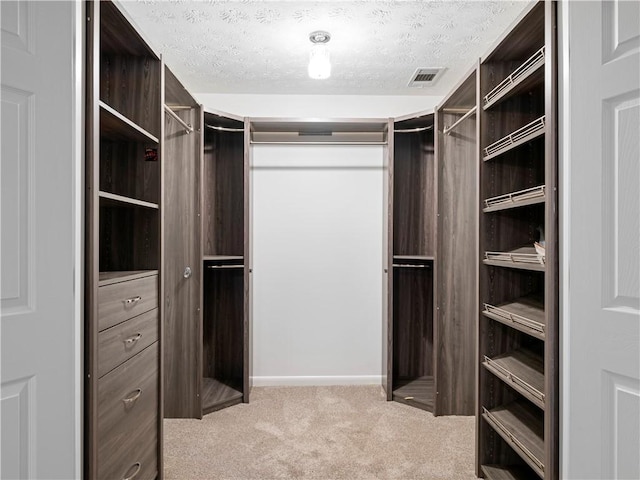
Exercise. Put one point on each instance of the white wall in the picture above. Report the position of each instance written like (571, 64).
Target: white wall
(317, 264)
(319, 106)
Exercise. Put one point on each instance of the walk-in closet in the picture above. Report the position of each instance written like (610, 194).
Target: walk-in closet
(461, 289)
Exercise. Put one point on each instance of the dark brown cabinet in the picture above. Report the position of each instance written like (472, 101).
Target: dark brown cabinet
(181, 259)
(410, 203)
(123, 421)
(225, 263)
(517, 429)
(206, 258)
(457, 260)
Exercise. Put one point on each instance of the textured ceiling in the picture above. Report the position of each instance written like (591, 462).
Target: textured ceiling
(263, 46)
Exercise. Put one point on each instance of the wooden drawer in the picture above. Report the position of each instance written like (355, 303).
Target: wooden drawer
(121, 342)
(128, 419)
(118, 302)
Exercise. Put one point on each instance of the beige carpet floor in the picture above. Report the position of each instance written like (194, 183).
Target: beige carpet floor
(320, 433)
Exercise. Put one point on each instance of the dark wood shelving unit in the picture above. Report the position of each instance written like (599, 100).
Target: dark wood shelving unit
(225, 262)
(518, 362)
(123, 333)
(456, 265)
(411, 256)
(182, 274)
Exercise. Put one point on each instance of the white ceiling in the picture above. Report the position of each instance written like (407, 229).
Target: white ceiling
(262, 47)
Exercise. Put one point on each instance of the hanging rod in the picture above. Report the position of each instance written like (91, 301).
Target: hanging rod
(225, 266)
(412, 130)
(409, 265)
(188, 128)
(180, 107)
(264, 142)
(224, 129)
(447, 130)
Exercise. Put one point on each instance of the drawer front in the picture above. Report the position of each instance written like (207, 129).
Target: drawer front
(121, 342)
(128, 419)
(120, 301)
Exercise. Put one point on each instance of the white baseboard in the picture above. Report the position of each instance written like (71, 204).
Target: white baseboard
(309, 381)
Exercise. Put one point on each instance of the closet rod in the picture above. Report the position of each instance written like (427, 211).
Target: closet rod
(409, 265)
(471, 112)
(259, 142)
(224, 129)
(180, 107)
(412, 130)
(225, 266)
(188, 128)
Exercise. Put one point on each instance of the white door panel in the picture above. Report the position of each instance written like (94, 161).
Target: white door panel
(601, 395)
(39, 250)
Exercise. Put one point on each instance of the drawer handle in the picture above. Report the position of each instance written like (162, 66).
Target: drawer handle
(132, 300)
(137, 467)
(132, 398)
(133, 339)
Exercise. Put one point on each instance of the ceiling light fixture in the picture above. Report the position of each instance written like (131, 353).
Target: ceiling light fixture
(319, 63)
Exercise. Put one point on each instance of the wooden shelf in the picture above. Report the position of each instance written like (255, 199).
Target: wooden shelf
(221, 258)
(524, 258)
(510, 472)
(107, 278)
(114, 125)
(427, 258)
(522, 370)
(525, 314)
(122, 201)
(217, 395)
(520, 424)
(417, 392)
(519, 137)
(521, 198)
(522, 79)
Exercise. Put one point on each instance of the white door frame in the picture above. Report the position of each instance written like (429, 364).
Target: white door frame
(75, 144)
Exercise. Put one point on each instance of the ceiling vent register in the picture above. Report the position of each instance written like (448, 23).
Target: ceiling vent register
(425, 77)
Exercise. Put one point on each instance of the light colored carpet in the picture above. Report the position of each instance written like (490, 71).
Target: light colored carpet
(320, 433)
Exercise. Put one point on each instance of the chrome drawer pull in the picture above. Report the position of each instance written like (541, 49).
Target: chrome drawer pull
(133, 339)
(137, 467)
(132, 398)
(132, 300)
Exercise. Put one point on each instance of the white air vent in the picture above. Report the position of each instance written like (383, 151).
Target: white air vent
(425, 77)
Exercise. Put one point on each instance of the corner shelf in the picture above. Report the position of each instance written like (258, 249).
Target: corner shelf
(522, 78)
(417, 392)
(519, 137)
(116, 126)
(523, 370)
(520, 424)
(525, 314)
(521, 198)
(524, 258)
(217, 395)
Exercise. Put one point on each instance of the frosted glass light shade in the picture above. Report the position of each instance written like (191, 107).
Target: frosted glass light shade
(319, 62)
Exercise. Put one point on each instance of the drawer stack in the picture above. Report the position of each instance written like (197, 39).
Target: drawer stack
(128, 376)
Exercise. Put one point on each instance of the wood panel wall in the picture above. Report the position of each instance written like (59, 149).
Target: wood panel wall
(457, 305)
